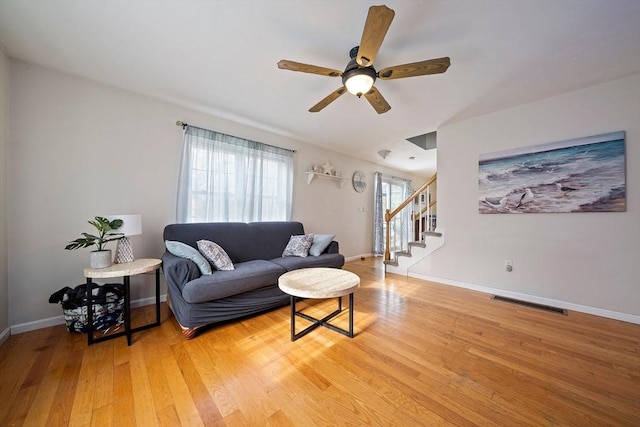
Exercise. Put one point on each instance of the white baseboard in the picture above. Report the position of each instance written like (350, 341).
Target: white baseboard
(625, 317)
(4, 335)
(36, 324)
(147, 301)
(59, 320)
(358, 257)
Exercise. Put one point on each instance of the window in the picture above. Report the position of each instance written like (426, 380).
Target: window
(225, 178)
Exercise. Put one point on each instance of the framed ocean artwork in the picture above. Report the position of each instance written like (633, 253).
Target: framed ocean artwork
(577, 175)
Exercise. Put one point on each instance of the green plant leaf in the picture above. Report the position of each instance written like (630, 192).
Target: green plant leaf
(104, 227)
(80, 243)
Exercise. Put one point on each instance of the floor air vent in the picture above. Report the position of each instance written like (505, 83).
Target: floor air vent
(531, 304)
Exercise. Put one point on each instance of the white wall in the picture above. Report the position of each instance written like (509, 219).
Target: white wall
(4, 305)
(78, 149)
(587, 259)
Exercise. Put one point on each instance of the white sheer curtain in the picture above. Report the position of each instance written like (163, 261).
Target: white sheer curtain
(224, 178)
(378, 216)
(389, 193)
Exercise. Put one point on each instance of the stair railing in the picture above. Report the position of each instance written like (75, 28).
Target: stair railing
(389, 215)
(423, 216)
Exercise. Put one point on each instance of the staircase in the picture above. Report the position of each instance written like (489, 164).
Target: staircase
(417, 251)
(428, 239)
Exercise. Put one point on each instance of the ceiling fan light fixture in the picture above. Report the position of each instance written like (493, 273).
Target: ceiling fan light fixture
(358, 80)
(359, 84)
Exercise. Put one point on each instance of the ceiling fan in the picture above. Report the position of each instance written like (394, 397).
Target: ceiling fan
(359, 75)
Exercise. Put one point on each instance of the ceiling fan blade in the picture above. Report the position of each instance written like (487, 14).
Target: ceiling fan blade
(328, 100)
(430, 66)
(377, 101)
(306, 68)
(375, 28)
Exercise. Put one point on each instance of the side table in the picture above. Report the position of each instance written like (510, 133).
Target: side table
(125, 270)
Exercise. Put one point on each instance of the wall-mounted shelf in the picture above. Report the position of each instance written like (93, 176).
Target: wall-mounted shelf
(311, 175)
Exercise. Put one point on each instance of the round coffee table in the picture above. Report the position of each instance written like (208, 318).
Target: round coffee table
(319, 283)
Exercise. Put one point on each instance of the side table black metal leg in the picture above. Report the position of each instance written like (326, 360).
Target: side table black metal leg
(153, 323)
(127, 308)
(158, 297)
(89, 311)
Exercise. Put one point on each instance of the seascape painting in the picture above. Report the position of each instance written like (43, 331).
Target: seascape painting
(578, 175)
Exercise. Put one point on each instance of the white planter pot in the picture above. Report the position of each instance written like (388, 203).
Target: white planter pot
(101, 259)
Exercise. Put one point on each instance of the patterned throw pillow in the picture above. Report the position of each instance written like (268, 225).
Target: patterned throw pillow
(298, 245)
(185, 251)
(214, 253)
(320, 243)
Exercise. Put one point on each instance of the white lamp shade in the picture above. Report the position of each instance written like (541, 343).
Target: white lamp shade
(359, 84)
(131, 224)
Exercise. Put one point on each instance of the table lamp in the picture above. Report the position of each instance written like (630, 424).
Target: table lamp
(131, 226)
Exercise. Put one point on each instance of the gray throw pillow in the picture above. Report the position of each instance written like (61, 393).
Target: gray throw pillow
(298, 245)
(214, 253)
(320, 243)
(185, 251)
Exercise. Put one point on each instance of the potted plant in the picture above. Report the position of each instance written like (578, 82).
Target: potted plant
(101, 257)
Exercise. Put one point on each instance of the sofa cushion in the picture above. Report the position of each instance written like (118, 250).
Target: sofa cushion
(320, 243)
(215, 254)
(298, 245)
(245, 277)
(324, 260)
(185, 251)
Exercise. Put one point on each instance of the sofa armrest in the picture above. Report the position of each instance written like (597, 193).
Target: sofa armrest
(178, 271)
(333, 248)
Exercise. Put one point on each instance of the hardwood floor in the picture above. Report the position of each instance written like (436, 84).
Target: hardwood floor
(424, 354)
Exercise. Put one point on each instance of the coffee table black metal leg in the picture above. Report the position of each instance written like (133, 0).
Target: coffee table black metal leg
(350, 315)
(321, 322)
(293, 318)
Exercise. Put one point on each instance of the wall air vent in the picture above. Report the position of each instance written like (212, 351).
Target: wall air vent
(531, 304)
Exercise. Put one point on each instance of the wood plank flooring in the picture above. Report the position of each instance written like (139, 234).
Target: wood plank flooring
(424, 354)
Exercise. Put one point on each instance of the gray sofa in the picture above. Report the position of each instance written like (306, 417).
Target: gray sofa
(256, 251)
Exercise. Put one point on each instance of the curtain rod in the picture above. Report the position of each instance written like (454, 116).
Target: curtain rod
(395, 177)
(184, 125)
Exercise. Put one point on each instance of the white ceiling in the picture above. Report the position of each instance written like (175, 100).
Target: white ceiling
(220, 57)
